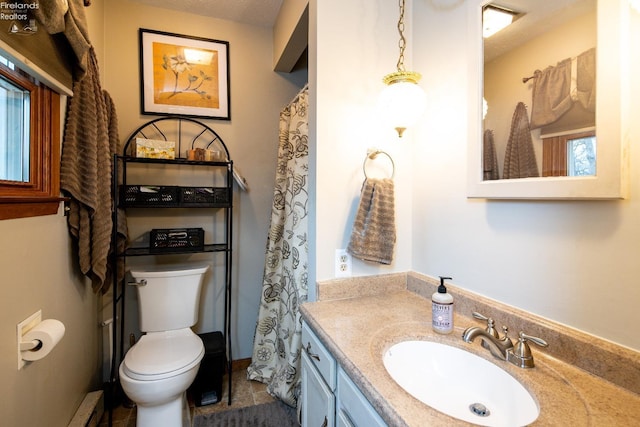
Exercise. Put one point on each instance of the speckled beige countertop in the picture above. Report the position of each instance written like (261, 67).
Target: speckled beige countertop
(359, 320)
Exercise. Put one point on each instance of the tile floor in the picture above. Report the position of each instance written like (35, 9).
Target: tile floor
(243, 393)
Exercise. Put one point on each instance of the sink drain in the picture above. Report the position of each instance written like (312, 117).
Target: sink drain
(479, 409)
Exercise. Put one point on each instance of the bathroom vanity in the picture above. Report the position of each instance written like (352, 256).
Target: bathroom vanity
(329, 396)
(356, 320)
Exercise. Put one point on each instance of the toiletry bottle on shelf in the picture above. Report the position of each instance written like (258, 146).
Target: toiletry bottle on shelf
(442, 309)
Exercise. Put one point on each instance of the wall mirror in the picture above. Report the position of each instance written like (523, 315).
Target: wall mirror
(527, 140)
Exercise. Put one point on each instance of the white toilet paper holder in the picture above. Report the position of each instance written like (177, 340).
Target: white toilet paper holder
(36, 338)
(30, 345)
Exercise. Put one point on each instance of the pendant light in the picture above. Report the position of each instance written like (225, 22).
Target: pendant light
(402, 101)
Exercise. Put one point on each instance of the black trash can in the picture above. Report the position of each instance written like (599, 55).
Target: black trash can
(207, 387)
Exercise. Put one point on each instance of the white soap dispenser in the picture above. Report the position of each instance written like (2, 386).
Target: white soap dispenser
(442, 309)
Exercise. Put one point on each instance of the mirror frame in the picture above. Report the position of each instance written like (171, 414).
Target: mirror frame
(612, 117)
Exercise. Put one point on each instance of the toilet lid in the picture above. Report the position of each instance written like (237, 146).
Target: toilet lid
(163, 354)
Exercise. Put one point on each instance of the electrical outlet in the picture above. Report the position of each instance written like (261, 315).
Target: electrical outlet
(343, 263)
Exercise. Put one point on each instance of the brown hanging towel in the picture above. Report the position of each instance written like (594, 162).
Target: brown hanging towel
(520, 158)
(374, 232)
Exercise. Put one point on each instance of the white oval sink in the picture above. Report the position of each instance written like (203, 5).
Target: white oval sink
(460, 384)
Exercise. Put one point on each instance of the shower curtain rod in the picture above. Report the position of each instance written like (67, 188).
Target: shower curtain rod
(295, 98)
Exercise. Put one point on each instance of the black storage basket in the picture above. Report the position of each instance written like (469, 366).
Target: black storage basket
(203, 196)
(148, 196)
(176, 240)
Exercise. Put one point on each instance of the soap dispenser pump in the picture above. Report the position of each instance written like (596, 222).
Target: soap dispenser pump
(442, 309)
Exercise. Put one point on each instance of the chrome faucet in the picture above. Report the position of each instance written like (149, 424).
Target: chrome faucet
(499, 347)
(490, 327)
(503, 348)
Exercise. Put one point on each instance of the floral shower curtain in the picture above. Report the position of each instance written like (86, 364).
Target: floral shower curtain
(277, 342)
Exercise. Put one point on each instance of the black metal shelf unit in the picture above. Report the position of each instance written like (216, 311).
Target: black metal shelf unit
(187, 134)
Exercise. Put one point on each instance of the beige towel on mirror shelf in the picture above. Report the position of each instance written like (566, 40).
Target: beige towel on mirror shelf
(374, 232)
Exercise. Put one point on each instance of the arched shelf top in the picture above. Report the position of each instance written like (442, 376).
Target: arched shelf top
(187, 133)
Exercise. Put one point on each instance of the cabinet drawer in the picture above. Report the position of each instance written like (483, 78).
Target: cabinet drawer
(319, 356)
(353, 406)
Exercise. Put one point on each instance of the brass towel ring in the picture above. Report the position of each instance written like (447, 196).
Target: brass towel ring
(372, 154)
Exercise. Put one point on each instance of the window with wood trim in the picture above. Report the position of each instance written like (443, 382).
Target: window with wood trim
(29, 145)
(572, 154)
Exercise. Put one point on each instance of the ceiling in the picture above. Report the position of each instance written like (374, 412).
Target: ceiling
(539, 17)
(254, 12)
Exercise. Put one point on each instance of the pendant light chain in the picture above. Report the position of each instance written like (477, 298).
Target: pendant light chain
(402, 43)
(401, 74)
(402, 99)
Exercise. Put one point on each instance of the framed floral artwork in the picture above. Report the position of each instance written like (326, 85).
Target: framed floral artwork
(184, 75)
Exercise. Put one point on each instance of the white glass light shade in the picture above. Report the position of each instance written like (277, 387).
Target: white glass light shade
(402, 103)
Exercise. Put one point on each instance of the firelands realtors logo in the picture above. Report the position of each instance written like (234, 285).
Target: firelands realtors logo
(18, 16)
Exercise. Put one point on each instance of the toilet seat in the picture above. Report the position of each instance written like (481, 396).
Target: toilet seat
(159, 355)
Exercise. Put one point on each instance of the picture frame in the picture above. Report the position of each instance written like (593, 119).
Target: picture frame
(184, 75)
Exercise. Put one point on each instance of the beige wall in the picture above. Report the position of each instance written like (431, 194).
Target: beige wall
(352, 46)
(257, 96)
(39, 272)
(573, 262)
(290, 34)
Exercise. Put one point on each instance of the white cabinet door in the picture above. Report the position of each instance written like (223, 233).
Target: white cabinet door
(353, 406)
(318, 402)
(342, 420)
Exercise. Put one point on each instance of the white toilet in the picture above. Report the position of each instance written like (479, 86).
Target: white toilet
(159, 368)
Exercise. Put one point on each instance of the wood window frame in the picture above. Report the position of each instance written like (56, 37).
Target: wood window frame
(41, 195)
(554, 152)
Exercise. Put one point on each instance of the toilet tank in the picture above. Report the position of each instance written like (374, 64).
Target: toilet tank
(170, 298)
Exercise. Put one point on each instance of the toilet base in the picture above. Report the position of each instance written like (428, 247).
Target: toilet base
(175, 413)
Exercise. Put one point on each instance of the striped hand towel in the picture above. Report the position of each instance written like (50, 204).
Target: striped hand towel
(374, 232)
